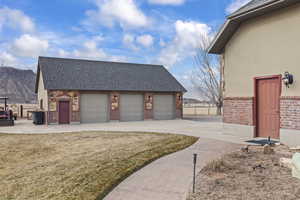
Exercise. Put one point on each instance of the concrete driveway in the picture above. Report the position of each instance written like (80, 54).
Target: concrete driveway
(168, 178)
(199, 128)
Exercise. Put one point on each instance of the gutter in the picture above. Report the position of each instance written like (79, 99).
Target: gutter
(253, 9)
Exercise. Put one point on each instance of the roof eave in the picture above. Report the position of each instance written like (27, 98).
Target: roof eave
(214, 46)
(237, 14)
(232, 23)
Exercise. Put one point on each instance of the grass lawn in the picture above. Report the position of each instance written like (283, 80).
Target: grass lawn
(84, 165)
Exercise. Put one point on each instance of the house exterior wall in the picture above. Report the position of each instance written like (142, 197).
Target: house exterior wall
(42, 93)
(268, 45)
(264, 46)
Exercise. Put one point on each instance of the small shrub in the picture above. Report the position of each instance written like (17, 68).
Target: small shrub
(217, 166)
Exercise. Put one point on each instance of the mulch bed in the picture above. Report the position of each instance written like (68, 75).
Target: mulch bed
(249, 175)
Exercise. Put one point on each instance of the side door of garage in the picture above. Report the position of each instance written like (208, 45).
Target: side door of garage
(131, 107)
(93, 108)
(164, 107)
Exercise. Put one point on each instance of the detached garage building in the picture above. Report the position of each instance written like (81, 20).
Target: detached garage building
(84, 91)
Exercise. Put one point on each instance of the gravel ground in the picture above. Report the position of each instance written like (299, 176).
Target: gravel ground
(248, 176)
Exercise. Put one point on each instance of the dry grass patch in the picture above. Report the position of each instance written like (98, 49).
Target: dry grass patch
(83, 165)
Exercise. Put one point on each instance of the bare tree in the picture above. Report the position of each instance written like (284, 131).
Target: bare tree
(207, 76)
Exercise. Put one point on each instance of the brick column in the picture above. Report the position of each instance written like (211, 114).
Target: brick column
(148, 106)
(52, 113)
(179, 107)
(75, 107)
(114, 105)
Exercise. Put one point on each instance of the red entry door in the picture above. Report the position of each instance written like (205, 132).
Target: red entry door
(268, 107)
(64, 112)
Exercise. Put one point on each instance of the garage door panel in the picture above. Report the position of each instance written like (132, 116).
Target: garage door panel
(132, 107)
(164, 107)
(93, 108)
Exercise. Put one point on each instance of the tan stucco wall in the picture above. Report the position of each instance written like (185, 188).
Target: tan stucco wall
(268, 45)
(42, 93)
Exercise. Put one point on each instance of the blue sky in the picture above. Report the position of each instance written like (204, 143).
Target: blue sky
(164, 32)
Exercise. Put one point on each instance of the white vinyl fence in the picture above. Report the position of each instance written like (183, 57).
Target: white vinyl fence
(194, 110)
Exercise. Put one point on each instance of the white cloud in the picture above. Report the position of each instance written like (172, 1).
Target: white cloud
(129, 41)
(187, 39)
(29, 46)
(167, 2)
(145, 40)
(15, 19)
(110, 12)
(90, 50)
(62, 53)
(235, 5)
(162, 43)
(7, 59)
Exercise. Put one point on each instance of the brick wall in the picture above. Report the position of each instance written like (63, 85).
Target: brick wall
(52, 116)
(238, 110)
(290, 112)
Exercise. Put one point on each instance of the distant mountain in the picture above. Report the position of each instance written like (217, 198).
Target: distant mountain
(18, 85)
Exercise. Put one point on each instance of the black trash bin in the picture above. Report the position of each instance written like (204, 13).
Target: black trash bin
(38, 117)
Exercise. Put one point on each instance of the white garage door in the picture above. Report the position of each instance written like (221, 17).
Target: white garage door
(164, 107)
(93, 108)
(131, 107)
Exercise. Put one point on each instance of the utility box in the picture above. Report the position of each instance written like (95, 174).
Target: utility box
(38, 117)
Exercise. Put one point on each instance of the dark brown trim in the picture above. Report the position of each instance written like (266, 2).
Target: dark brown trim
(279, 77)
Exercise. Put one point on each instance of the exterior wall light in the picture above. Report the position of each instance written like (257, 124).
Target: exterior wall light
(288, 79)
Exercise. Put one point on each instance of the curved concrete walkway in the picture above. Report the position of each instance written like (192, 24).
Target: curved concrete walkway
(170, 177)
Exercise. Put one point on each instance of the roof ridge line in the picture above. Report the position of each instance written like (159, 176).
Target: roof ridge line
(87, 60)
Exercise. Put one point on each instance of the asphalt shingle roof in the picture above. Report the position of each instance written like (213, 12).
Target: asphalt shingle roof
(251, 5)
(75, 74)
